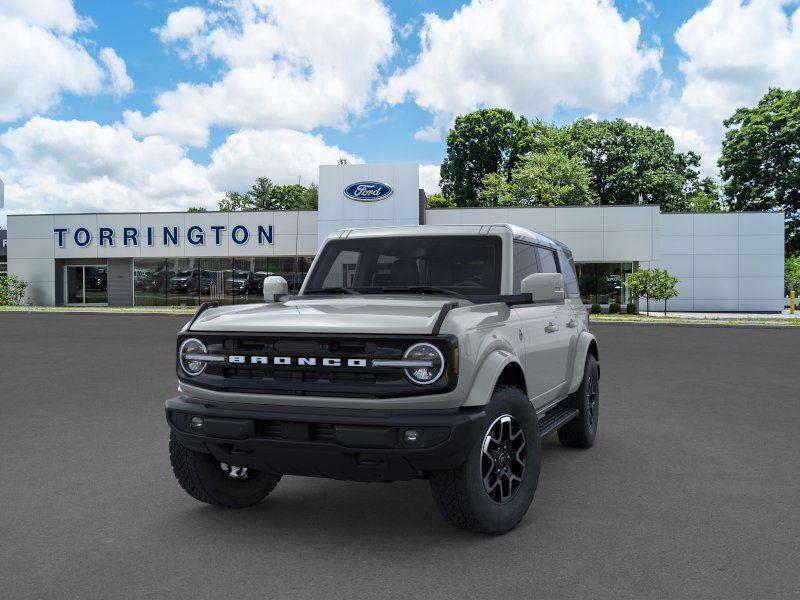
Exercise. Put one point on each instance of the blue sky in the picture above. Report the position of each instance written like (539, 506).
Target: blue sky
(145, 104)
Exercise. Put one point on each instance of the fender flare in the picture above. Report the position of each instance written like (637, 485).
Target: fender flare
(585, 340)
(485, 379)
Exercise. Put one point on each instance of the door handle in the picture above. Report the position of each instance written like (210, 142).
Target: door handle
(572, 323)
(551, 327)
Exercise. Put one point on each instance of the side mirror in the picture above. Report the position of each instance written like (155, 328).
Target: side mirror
(544, 287)
(274, 286)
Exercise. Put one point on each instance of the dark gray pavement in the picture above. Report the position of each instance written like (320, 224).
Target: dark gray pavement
(692, 491)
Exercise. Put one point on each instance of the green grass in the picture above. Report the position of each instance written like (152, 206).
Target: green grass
(656, 319)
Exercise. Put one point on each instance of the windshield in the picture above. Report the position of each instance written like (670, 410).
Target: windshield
(469, 265)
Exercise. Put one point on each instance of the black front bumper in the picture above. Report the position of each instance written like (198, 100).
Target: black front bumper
(338, 444)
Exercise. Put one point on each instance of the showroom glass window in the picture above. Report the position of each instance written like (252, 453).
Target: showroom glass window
(191, 281)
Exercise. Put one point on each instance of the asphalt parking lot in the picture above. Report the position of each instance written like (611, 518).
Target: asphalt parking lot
(692, 490)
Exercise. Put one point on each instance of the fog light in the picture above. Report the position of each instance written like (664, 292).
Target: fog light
(196, 423)
(411, 436)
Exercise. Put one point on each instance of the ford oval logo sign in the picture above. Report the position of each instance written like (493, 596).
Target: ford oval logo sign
(368, 191)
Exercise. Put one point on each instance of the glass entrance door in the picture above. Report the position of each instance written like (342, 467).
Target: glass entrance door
(86, 284)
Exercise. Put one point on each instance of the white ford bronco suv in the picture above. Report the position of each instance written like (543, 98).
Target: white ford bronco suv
(438, 352)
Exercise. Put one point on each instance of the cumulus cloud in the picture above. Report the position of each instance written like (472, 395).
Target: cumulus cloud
(286, 64)
(733, 52)
(528, 55)
(71, 166)
(41, 57)
(284, 155)
(429, 178)
(121, 83)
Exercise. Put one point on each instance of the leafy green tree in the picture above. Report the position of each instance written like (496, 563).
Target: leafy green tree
(197, 209)
(666, 287)
(485, 141)
(791, 277)
(760, 162)
(439, 200)
(288, 197)
(627, 162)
(311, 201)
(495, 190)
(643, 284)
(260, 195)
(265, 195)
(706, 196)
(234, 201)
(12, 290)
(548, 179)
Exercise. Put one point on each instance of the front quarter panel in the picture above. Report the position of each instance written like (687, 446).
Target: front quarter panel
(488, 341)
(584, 341)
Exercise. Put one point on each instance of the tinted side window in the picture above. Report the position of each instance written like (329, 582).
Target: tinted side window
(547, 260)
(525, 263)
(570, 278)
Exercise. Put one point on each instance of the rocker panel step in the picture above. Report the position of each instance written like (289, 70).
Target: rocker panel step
(555, 418)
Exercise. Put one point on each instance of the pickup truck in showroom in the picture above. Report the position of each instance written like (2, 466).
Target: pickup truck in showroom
(438, 352)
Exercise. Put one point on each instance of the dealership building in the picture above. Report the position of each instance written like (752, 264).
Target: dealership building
(725, 261)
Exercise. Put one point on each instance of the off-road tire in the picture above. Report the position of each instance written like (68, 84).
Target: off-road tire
(459, 493)
(582, 430)
(203, 479)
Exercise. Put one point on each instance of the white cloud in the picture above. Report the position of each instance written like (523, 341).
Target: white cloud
(528, 55)
(184, 24)
(429, 178)
(287, 64)
(121, 83)
(734, 51)
(41, 58)
(72, 166)
(58, 15)
(283, 155)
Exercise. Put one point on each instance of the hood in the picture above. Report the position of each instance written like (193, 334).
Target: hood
(364, 314)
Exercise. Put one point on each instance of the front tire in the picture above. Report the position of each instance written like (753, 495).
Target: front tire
(492, 490)
(206, 479)
(582, 430)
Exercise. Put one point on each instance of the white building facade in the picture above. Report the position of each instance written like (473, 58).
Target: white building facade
(725, 261)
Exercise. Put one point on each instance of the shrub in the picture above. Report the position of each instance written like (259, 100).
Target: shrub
(632, 308)
(614, 308)
(596, 310)
(12, 290)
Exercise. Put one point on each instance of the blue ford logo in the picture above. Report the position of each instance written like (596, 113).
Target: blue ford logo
(368, 191)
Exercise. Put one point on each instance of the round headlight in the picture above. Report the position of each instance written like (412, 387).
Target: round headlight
(425, 353)
(188, 348)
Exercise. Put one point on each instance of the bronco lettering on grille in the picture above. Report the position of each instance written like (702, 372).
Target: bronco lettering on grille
(301, 361)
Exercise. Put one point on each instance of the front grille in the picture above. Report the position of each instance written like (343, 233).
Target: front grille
(317, 380)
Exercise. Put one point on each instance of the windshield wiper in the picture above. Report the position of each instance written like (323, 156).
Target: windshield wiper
(331, 290)
(419, 289)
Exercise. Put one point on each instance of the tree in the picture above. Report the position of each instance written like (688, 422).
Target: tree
(791, 277)
(642, 284)
(234, 201)
(706, 197)
(197, 209)
(760, 158)
(627, 162)
(495, 190)
(288, 197)
(548, 179)
(439, 200)
(666, 287)
(265, 195)
(485, 141)
(12, 290)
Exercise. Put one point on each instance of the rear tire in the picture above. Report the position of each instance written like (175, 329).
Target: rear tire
(482, 494)
(204, 478)
(582, 430)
